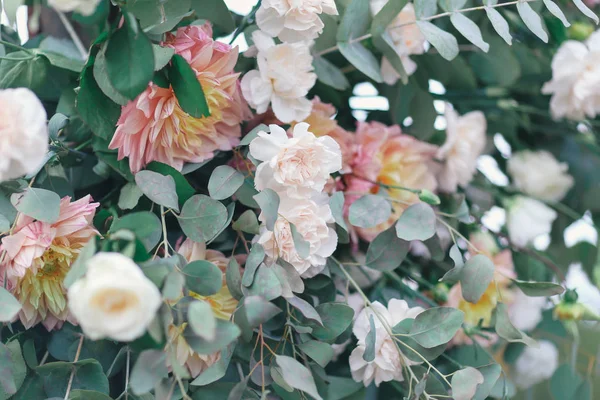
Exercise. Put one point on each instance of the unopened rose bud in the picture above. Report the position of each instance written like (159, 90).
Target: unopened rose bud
(429, 197)
(440, 293)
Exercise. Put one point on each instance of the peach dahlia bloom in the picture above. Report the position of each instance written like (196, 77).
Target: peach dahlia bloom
(38, 257)
(154, 127)
(223, 305)
(384, 154)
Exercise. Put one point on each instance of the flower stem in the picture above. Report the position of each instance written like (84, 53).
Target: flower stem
(73, 370)
(71, 31)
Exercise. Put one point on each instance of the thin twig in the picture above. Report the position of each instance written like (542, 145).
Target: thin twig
(71, 31)
(74, 368)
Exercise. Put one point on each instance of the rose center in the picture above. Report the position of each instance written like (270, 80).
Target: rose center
(112, 300)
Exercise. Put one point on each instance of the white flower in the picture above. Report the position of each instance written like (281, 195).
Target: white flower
(575, 84)
(23, 133)
(526, 312)
(527, 219)
(83, 7)
(540, 175)
(388, 362)
(114, 299)
(293, 20)
(465, 141)
(283, 78)
(311, 219)
(299, 166)
(406, 40)
(535, 364)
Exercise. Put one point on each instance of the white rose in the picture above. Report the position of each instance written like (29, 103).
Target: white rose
(311, 218)
(299, 166)
(114, 299)
(388, 362)
(535, 364)
(527, 219)
(406, 40)
(293, 21)
(83, 7)
(540, 175)
(465, 141)
(23, 133)
(283, 78)
(575, 84)
(526, 312)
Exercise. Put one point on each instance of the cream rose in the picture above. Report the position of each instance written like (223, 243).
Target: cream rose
(312, 219)
(535, 364)
(23, 133)
(114, 299)
(465, 141)
(540, 175)
(283, 78)
(407, 40)
(575, 84)
(83, 7)
(527, 219)
(293, 20)
(388, 362)
(299, 166)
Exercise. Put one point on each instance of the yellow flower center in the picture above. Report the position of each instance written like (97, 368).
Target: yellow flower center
(113, 300)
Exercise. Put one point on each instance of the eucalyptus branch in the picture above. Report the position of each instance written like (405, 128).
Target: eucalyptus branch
(430, 18)
(74, 369)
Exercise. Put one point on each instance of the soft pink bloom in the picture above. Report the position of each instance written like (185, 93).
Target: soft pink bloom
(385, 155)
(39, 255)
(153, 127)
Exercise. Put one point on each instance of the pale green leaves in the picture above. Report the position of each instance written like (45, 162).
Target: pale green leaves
(296, 375)
(557, 12)
(532, 20)
(329, 74)
(301, 245)
(369, 211)
(436, 326)
(268, 201)
(158, 188)
(225, 333)
(475, 277)
(465, 382)
(202, 218)
(469, 30)
(369, 354)
(336, 317)
(361, 58)
(224, 182)
(506, 330)
(255, 258)
(202, 320)
(499, 23)
(247, 222)
(39, 204)
(203, 277)
(386, 252)
(539, 289)
(162, 56)
(149, 368)
(417, 222)
(425, 8)
(129, 196)
(586, 11)
(9, 306)
(444, 42)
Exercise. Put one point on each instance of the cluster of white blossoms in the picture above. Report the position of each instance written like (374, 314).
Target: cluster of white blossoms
(465, 142)
(575, 84)
(297, 169)
(406, 38)
(23, 133)
(285, 72)
(540, 175)
(389, 360)
(120, 309)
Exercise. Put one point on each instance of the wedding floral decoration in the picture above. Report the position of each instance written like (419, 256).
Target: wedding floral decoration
(377, 200)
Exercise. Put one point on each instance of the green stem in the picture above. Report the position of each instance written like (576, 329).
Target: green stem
(16, 46)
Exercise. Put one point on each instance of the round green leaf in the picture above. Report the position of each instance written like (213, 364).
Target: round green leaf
(369, 211)
(224, 182)
(203, 277)
(475, 277)
(436, 326)
(465, 382)
(417, 222)
(202, 320)
(40, 204)
(202, 218)
(145, 225)
(158, 188)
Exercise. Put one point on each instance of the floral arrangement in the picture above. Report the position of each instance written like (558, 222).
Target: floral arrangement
(181, 219)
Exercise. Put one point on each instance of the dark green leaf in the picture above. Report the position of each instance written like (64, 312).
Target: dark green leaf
(234, 279)
(88, 376)
(336, 317)
(129, 59)
(320, 352)
(297, 376)
(20, 69)
(215, 11)
(187, 88)
(103, 81)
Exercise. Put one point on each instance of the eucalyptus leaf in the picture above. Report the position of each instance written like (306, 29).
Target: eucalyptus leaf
(297, 375)
(362, 59)
(329, 74)
(258, 310)
(436, 326)
(475, 277)
(465, 382)
(425, 8)
(129, 196)
(149, 368)
(532, 20)
(202, 320)
(586, 11)
(336, 203)
(203, 277)
(417, 222)
(234, 278)
(226, 333)
(265, 283)
(158, 188)
(335, 317)
(369, 211)
(9, 306)
(268, 201)
(539, 289)
(255, 258)
(320, 352)
(499, 23)
(40, 204)
(162, 56)
(506, 330)
(369, 354)
(557, 12)
(247, 222)
(443, 41)
(386, 252)
(491, 373)
(301, 245)
(469, 30)
(305, 308)
(145, 225)
(202, 218)
(224, 182)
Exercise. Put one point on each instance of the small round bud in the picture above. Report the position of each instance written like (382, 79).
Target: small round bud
(429, 197)
(580, 30)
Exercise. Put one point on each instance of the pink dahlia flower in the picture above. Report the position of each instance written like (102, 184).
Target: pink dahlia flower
(38, 257)
(153, 127)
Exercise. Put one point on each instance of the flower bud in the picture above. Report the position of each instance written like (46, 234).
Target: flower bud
(429, 197)
(580, 31)
(440, 293)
